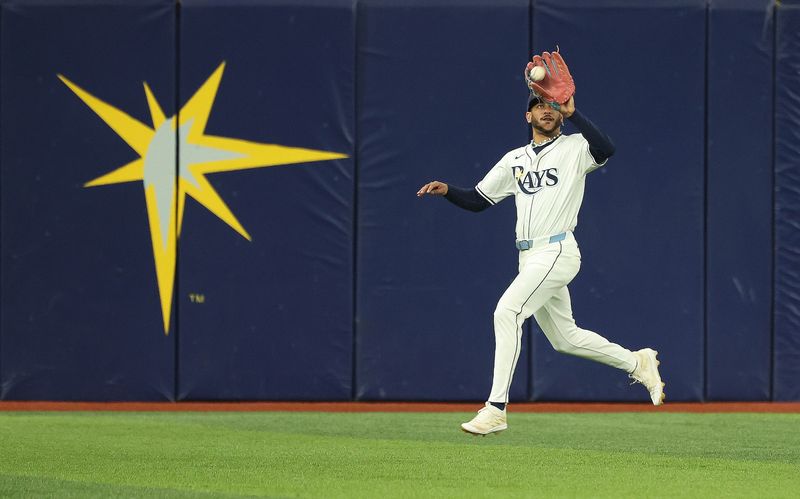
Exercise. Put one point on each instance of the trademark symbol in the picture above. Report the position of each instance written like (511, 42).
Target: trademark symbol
(197, 298)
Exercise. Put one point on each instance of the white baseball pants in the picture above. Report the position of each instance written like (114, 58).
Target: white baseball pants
(540, 290)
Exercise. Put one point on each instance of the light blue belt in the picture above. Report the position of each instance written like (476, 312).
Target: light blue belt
(527, 244)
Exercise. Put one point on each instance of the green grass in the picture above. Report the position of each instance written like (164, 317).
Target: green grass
(397, 455)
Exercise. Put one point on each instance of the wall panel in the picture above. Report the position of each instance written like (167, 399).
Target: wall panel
(275, 320)
(81, 317)
(641, 226)
(786, 352)
(441, 96)
(739, 201)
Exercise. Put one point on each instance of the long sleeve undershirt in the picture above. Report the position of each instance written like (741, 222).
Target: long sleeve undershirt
(600, 144)
(469, 199)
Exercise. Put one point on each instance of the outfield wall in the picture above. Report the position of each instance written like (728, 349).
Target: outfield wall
(217, 201)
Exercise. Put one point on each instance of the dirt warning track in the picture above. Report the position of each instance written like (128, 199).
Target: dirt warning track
(711, 407)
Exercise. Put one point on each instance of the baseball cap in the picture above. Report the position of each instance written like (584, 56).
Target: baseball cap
(533, 99)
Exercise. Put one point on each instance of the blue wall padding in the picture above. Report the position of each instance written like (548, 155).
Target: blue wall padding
(441, 96)
(641, 226)
(739, 211)
(351, 287)
(81, 317)
(277, 318)
(786, 352)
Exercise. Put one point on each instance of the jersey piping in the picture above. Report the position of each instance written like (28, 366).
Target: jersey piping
(484, 195)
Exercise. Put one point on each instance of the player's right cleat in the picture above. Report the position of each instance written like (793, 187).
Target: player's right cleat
(646, 373)
(490, 419)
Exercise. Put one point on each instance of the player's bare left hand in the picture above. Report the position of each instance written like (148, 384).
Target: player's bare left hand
(434, 188)
(568, 108)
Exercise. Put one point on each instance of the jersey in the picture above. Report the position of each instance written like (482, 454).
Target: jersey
(548, 186)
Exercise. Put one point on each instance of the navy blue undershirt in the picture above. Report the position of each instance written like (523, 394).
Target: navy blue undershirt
(469, 199)
(600, 146)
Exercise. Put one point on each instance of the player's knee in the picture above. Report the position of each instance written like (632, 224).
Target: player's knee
(563, 343)
(504, 314)
(564, 347)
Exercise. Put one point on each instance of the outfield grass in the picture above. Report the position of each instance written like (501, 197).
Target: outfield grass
(397, 455)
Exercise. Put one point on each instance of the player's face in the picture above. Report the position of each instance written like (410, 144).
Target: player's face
(544, 119)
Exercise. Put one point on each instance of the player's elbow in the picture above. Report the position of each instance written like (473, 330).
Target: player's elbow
(608, 148)
(603, 152)
(611, 148)
(478, 207)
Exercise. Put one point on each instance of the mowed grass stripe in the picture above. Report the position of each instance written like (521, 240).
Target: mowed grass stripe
(398, 455)
(38, 486)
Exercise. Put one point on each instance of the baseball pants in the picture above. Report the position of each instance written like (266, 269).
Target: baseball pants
(540, 289)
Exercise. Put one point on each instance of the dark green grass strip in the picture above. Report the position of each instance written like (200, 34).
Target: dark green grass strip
(397, 455)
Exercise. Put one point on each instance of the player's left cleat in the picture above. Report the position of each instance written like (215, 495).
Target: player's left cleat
(646, 373)
(490, 419)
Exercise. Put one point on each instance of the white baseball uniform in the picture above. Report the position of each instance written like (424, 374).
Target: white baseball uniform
(548, 187)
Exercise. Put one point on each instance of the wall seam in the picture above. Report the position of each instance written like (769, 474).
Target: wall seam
(773, 200)
(706, 166)
(2, 391)
(356, 142)
(176, 294)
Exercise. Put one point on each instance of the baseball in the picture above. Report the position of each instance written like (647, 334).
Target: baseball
(537, 73)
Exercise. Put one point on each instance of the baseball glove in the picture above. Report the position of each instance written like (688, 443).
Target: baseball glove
(557, 86)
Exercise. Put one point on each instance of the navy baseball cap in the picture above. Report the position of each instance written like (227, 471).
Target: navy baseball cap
(533, 99)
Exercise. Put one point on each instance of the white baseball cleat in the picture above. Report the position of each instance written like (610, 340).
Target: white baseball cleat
(490, 419)
(646, 373)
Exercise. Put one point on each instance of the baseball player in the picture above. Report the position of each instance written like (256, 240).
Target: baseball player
(546, 178)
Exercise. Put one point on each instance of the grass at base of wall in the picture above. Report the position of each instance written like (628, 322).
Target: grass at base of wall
(397, 455)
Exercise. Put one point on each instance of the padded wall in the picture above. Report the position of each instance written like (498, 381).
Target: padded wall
(81, 316)
(306, 266)
(786, 352)
(440, 97)
(739, 202)
(276, 317)
(641, 226)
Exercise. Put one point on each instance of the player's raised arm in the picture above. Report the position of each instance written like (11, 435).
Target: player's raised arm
(468, 199)
(600, 144)
(556, 87)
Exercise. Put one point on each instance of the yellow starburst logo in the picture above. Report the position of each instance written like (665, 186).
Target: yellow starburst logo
(174, 157)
